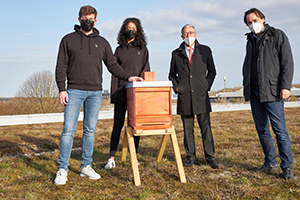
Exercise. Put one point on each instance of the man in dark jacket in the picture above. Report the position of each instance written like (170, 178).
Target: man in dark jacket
(79, 63)
(268, 73)
(192, 73)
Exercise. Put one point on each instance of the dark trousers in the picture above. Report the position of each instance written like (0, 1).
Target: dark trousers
(207, 137)
(119, 117)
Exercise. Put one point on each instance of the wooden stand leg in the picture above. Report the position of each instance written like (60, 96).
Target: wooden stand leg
(129, 141)
(177, 157)
(124, 147)
(133, 158)
(162, 147)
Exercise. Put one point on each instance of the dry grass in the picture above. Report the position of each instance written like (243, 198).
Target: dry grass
(26, 175)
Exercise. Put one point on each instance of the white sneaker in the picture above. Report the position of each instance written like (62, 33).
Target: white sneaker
(110, 164)
(61, 177)
(89, 172)
(138, 162)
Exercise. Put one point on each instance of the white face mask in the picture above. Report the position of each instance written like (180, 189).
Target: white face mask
(255, 27)
(189, 40)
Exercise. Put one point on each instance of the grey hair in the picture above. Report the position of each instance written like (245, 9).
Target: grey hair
(187, 25)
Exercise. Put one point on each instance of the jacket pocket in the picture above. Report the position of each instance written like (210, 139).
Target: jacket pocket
(183, 87)
(274, 87)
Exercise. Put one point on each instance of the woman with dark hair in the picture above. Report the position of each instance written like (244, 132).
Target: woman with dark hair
(132, 55)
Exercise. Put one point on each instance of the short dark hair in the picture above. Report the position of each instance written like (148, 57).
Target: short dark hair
(257, 12)
(87, 10)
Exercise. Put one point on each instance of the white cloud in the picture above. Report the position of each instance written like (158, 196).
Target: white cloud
(219, 24)
(18, 65)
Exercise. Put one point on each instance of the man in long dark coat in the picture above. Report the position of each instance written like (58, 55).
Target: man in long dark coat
(192, 73)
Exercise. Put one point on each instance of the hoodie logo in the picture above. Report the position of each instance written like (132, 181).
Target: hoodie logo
(139, 52)
(96, 45)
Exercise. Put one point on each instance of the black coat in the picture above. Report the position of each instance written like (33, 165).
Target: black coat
(192, 81)
(275, 66)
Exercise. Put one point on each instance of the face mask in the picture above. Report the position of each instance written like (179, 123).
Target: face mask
(86, 24)
(189, 40)
(255, 27)
(130, 34)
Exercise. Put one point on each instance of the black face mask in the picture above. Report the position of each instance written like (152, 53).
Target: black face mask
(130, 34)
(86, 24)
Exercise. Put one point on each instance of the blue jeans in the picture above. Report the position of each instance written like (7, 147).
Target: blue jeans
(274, 111)
(91, 101)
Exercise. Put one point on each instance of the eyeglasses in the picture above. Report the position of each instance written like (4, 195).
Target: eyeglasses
(189, 33)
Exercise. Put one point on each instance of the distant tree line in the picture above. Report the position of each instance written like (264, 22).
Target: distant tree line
(39, 94)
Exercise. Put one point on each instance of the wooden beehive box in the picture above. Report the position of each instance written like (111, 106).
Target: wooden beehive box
(149, 105)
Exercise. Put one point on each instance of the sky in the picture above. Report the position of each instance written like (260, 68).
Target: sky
(31, 32)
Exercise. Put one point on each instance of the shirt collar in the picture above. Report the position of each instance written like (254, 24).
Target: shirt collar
(188, 48)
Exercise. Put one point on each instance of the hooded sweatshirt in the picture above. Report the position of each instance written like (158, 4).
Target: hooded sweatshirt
(134, 61)
(79, 61)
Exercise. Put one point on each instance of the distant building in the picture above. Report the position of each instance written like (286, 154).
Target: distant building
(296, 92)
(5, 98)
(106, 94)
(238, 95)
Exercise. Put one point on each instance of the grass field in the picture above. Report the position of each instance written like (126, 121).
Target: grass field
(28, 155)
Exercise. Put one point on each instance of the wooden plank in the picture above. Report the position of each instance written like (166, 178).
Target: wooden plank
(148, 76)
(177, 157)
(124, 146)
(153, 127)
(130, 107)
(150, 132)
(169, 130)
(133, 158)
(153, 118)
(151, 89)
(152, 103)
(162, 147)
(128, 140)
(147, 122)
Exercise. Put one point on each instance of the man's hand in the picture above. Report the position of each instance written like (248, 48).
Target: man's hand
(284, 94)
(135, 78)
(63, 97)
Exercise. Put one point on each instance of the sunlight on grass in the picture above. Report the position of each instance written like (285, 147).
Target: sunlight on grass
(29, 156)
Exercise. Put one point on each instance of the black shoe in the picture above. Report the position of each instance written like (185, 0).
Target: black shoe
(213, 164)
(288, 173)
(267, 168)
(189, 163)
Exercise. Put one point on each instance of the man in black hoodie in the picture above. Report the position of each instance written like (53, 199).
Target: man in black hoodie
(79, 67)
